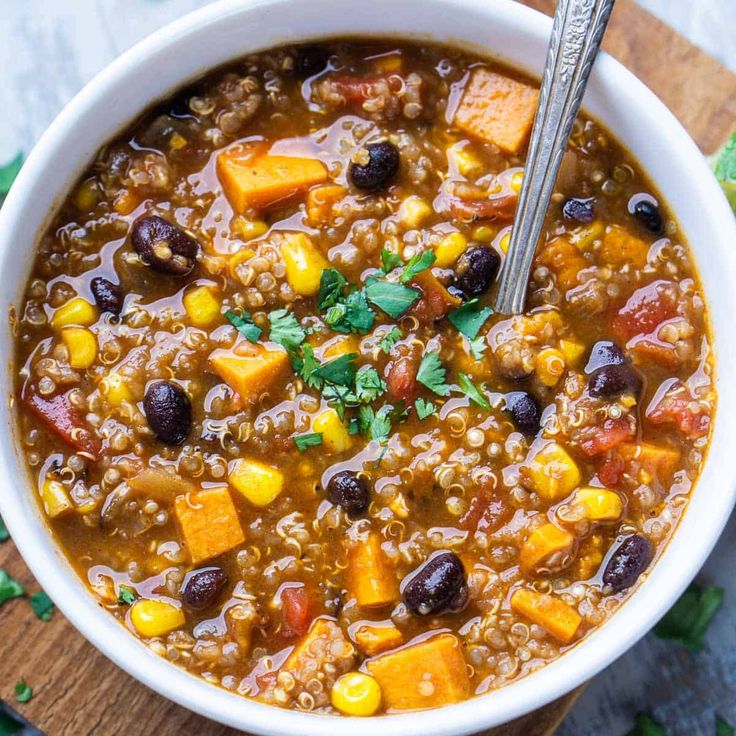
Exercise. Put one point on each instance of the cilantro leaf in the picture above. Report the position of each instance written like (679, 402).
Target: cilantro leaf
(4, 534)
(645, 726)
(9, 172)
(306, 365)
(126, 595)
(23, 691)
(469, 318)
(351, 314)
(688, 620)
(9, 587)
(285, 329)
(394, 299)
(390, 339)
(478, 347)
(353, 426)
(725, 170)
(310, 439)
(340, 371)
(244, 324)
(376, 424)
(724, 728)
(368, 384)
(42, 606)
(331, 285)
(417, 263)
(424, 408)
(432, 373)
(472, 391)
(389, 260)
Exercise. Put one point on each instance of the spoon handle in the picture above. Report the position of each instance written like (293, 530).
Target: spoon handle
(577, 32)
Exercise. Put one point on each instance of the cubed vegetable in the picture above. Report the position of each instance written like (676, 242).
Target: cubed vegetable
(335, 437)
(371, 578)
(209, 523)
(321, 202)
(621, 247)
(552, 473)
(599, 504)
(76, 312)
(304, 264)
(583, 236)
(252, 370)
(655, 459)
(356, 694)
(257, 482)
(449, 249)
(550, 366)
(337, 346)
(81, 345)
(115, 389)
(546, 545)
(565, 262)
(259, 181)
(373, 639)
(55, 499)
(161, 482)
(572, 351)
(324, 642)
(152, 617)
(427, 674)
(248, 229)
(497, 109)
(551, 613)
(202, 306)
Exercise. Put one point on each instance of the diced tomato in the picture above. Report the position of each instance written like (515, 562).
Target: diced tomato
(436, 301)
(607, 436)
(297, 610)
(60, 416)
(678, 407)
(611, 471)
(647, 350)
(402, 380)
(645, 310)
(493, 208)
(486, 513)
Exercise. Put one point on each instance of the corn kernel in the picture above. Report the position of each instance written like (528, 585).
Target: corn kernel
(155, 618)
(125, 202)
(516, 179)
(55, 499)
(572, 350)
(552, 473)
(599, 504)
(550, 365)
(81, 345)
(413, 211)
(504, 241)
(398, 506)
(248, 229)
(258, 483)
(85, 198)
(115, 389)
(202, 306)
(484, 233)
(449, 249)
(465, 160)
(304, 264)
(76, 311)
(177, 142)
(541, 545)
(356, 694)
(335, 437)
(582, 237)
(388, 64)
(237, 259)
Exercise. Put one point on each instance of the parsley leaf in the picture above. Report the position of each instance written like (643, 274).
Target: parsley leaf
(285, 329)
(126, 595)
(688, 620)
(724, 728)
(432, 373)
(9, 588)
(244, 324)
(8, 174)
(368, 384)
(389, 260)
(42, 606)
(473, 392)
(390, 339)
(394, 299)
(331, 285)
(645, 726)
(4, 534)
(417, 263)
(340, 371)
(424, 408)
(469, 318)
(23, 691)
(725, 170)
(478, 347)
(310, 439)
(351, 314)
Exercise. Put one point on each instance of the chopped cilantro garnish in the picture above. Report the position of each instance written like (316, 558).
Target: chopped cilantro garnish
(389, 261)
(469, 318)
(724, 728)
(23, 691)
(331, 286)
(4, 535)
(285, 329)
(424, 408)
(473, 392)
(311, 439)
(353, 426)
(305, 364)
(244, 324)
(375, 424)
(340, 371)
(725, 170)
(393, 299)
(417, 263)
(390, 339)
(8, 174)
(432, 373)
(688, 620)
(126, 595)
(352, 314)
(42, 606)
(478, 347)
(9, 587)
(368, 384)
(645, 726)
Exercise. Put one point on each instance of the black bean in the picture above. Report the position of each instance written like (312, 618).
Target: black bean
(614, 380)
(579, 210)
(438, 585)
(108, 296)
(603, 353)
(383, 163)
(164, 247)
(648, 214)
(351, 491)
(524, 411)
(310, 60)
(168, 411)
(475, 270)
(629, 561)
(202, 587)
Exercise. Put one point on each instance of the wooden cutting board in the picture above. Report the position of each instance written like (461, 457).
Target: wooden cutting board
(78, 692)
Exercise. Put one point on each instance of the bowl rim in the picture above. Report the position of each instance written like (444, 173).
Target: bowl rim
(589, 656)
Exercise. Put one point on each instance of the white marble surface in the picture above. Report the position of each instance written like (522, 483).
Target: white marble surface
(50, 48)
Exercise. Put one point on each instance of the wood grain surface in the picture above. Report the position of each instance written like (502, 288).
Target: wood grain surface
(78, 692)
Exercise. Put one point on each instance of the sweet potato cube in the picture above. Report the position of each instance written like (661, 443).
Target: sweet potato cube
(375, 638)
(371, 579)
(323, 643)
(424, 675)
(542, 545)
(497, 109)
(252, 180)
(321, 202)
(208, 523)
(249, 369)
(654, 459)
(552, 614)
(621, 247)
(564, 260)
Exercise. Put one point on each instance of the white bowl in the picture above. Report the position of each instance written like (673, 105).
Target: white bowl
(228, 30)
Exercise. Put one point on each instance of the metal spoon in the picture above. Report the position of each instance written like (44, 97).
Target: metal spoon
(577, 32)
